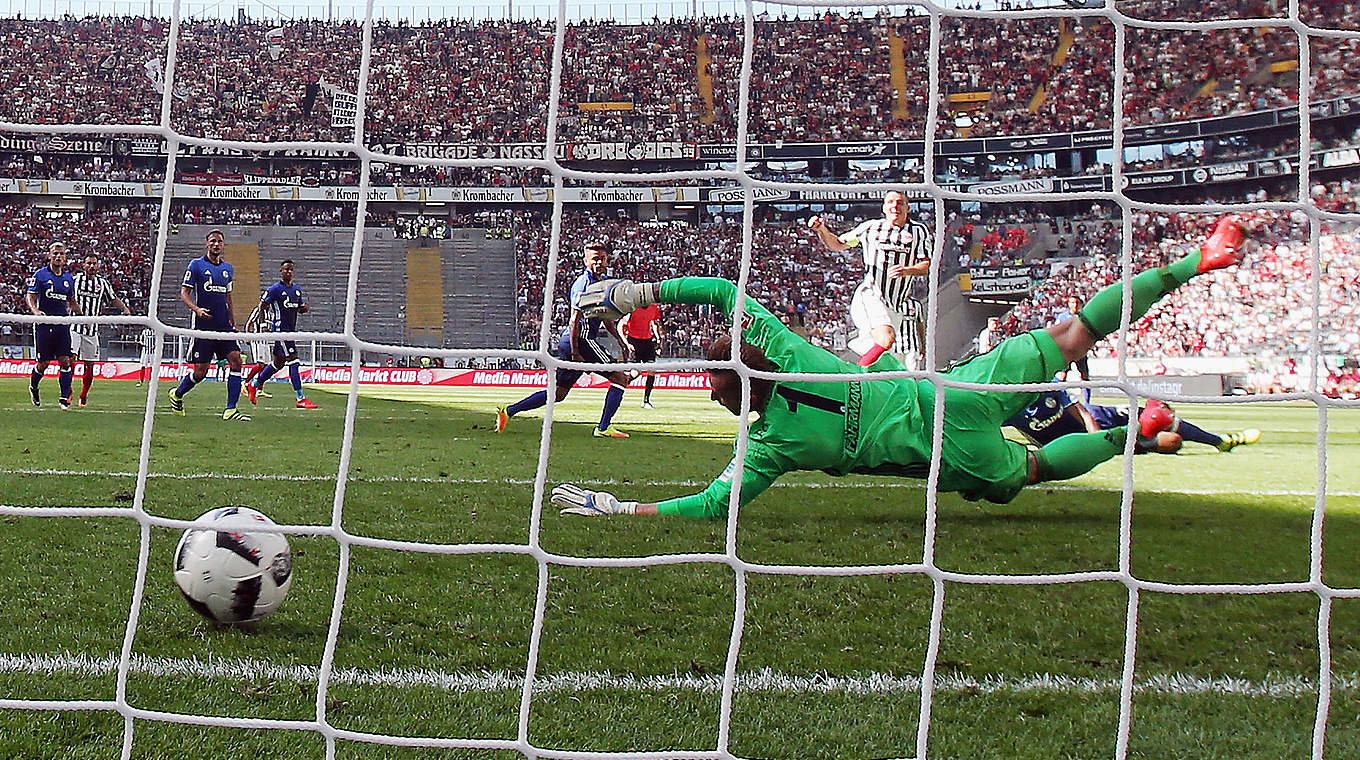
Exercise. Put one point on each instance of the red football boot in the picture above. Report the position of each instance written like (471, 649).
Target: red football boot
(1155, 417)
(1222, 248)
(251, 392)
(306, 404)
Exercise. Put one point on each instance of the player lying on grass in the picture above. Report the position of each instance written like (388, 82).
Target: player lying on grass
(1055, 414)
(884, 427)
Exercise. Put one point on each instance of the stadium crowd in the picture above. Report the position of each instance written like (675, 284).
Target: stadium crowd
(486, 81)
(1261, 309)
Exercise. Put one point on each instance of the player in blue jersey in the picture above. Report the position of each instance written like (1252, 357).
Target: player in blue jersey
(52, 293)
(1055, 414)
(579, 343)
(284, 300)
(206, 290)
(1064, 313)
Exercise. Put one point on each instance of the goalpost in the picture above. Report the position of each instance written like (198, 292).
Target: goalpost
(939, 578)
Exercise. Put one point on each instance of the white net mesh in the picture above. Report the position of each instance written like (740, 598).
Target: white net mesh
(940, 578)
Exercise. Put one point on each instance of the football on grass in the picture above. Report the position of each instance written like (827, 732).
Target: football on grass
(233, 572)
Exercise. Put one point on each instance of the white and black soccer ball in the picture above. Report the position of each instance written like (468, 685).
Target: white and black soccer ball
(231, 574)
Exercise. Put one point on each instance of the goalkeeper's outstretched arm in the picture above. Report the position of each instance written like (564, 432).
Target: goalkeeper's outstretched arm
(761, 469)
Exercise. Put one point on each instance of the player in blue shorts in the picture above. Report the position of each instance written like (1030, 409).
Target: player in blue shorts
(206, 290)
(1055, 414)
(579, 343)
(284, 300)
(51, 293)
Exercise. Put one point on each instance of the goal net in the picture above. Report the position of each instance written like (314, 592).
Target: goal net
(411, 654)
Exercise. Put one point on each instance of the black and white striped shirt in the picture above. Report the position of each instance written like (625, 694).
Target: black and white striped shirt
(91, 294)
(886, 246)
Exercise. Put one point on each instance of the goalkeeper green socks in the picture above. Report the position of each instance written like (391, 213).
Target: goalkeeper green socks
(1101, 313)
(1079, 453)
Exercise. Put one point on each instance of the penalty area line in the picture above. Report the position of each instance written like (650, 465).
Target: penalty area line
(907, 484)
(764, 680)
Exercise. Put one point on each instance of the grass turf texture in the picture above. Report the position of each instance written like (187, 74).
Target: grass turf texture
(426, 467)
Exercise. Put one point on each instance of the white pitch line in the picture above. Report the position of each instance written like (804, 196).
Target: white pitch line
(765, 680)
(906, 484)
(139, 413)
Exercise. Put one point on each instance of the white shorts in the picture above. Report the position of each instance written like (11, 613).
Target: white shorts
(868, 311)
(87, 346)
(261, 353)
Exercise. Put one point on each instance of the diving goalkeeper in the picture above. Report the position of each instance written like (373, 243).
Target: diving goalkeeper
(884, 427)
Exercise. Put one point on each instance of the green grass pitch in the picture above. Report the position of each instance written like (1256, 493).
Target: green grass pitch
(630, 659)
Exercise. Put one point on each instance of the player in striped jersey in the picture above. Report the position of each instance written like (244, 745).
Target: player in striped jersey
(896, 251)
(259, 322)
(579, 343)
(93, 291)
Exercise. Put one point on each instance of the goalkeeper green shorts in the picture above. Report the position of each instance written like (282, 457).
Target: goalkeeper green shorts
(977, 460)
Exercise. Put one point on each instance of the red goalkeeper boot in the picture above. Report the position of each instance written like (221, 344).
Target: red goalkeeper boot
(1222, 248)
(1155, 418)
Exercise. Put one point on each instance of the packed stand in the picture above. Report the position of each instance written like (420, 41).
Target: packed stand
(1260, 309)
(458, 81)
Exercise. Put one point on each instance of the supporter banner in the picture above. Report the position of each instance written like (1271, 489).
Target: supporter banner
(21, 143)
(626, 151)
(154, 146)
(344, 106)
(613, 151)
(462, 151)
(608, 105)
(265, 179)
(422, 376)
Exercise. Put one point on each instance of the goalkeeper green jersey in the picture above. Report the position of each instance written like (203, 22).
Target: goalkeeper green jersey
(873, 426)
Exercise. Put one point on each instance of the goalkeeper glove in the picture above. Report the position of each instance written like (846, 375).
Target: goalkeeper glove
(575, 500)
(611, 299)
